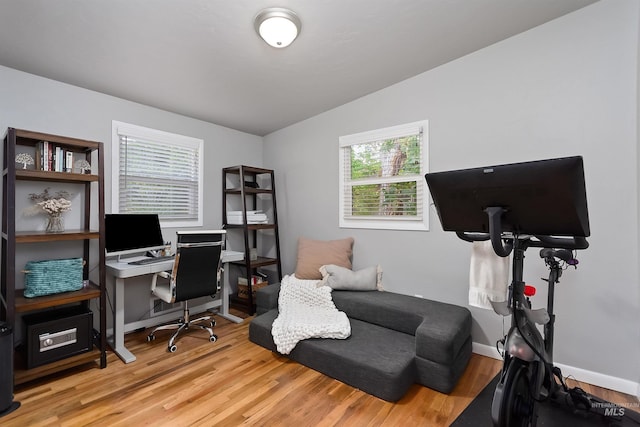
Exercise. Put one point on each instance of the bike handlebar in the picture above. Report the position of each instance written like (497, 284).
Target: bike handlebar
(575, 242)
(473, 237)
(503, 245)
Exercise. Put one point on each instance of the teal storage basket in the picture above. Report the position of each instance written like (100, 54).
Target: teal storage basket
(52, 277)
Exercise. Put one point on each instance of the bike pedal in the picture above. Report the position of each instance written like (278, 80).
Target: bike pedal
(580, 398)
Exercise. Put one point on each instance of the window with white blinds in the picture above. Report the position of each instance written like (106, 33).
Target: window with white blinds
(157, 172)
(382, 183)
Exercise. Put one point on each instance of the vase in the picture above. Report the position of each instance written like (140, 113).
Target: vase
(55, 223)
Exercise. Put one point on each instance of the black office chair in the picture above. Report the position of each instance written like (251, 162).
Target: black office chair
(196, 273)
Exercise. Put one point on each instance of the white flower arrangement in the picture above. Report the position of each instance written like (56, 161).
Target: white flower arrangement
(55, 206)
(50, 204)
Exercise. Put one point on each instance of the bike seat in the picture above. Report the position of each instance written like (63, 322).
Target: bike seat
(564, 254)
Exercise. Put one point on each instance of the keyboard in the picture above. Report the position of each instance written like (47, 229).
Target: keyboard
(152, 260)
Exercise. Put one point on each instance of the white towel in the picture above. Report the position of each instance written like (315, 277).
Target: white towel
(488, 275)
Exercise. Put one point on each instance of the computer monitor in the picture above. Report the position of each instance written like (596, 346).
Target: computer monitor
(127, 234)
(543, 197)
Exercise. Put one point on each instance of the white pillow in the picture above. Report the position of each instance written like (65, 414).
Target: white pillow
(337, 277)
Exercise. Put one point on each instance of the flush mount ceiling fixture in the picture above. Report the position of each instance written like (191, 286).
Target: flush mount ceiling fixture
(277, 26)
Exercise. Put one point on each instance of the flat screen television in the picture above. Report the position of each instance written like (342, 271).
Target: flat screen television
(542, 197)
(127, 234)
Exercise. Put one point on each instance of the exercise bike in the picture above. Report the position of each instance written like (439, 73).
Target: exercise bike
(528, 375)
(543, 204)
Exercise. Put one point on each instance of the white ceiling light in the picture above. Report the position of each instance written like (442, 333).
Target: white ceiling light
(278, 26)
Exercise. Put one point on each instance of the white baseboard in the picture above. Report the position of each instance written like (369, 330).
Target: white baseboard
(582, 375)
(485, 350)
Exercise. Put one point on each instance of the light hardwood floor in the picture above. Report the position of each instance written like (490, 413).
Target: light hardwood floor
(228, 383)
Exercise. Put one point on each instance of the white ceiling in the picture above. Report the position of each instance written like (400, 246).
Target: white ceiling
(203, 59)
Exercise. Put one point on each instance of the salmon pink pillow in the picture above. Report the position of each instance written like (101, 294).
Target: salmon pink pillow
(313, 254)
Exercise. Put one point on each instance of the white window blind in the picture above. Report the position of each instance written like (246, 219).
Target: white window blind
(158, 172)
(382, 178)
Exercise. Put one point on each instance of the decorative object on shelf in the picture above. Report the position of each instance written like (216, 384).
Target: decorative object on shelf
(257, 282)
(52, 276)
(83, 166)
(55, 223)
(25, 159)
(53, 206)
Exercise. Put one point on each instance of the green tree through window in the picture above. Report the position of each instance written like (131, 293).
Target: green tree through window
(382, 175)
(388, 158)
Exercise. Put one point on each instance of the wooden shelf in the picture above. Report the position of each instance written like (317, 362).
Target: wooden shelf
(247, 170)
(240, 303)
(24, 304)
(248, 190)
(42, 236)
(28, 137)
(259, 262)
(23, 375)
(34, 175)
(252, 226)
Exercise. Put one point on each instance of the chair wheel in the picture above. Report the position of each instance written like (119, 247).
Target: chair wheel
(213, 323)
(172, 348)
(150, 337)
(213, 338)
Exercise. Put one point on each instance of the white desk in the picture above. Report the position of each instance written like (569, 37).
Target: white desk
(122, 270)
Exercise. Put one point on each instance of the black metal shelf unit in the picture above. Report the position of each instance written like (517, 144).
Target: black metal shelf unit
(249, 188)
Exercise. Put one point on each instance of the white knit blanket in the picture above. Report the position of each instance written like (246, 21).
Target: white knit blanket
(306, 310)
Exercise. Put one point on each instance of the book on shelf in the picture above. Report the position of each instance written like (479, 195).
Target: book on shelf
(254, 280)
(54, 158)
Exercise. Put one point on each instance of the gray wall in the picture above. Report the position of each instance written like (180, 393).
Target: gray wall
(35, 103)
(564, 88)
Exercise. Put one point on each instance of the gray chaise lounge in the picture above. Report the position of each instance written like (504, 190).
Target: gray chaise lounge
(396, 340)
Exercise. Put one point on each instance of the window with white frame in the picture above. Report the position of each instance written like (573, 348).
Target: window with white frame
(157, 172)
(381, 176)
